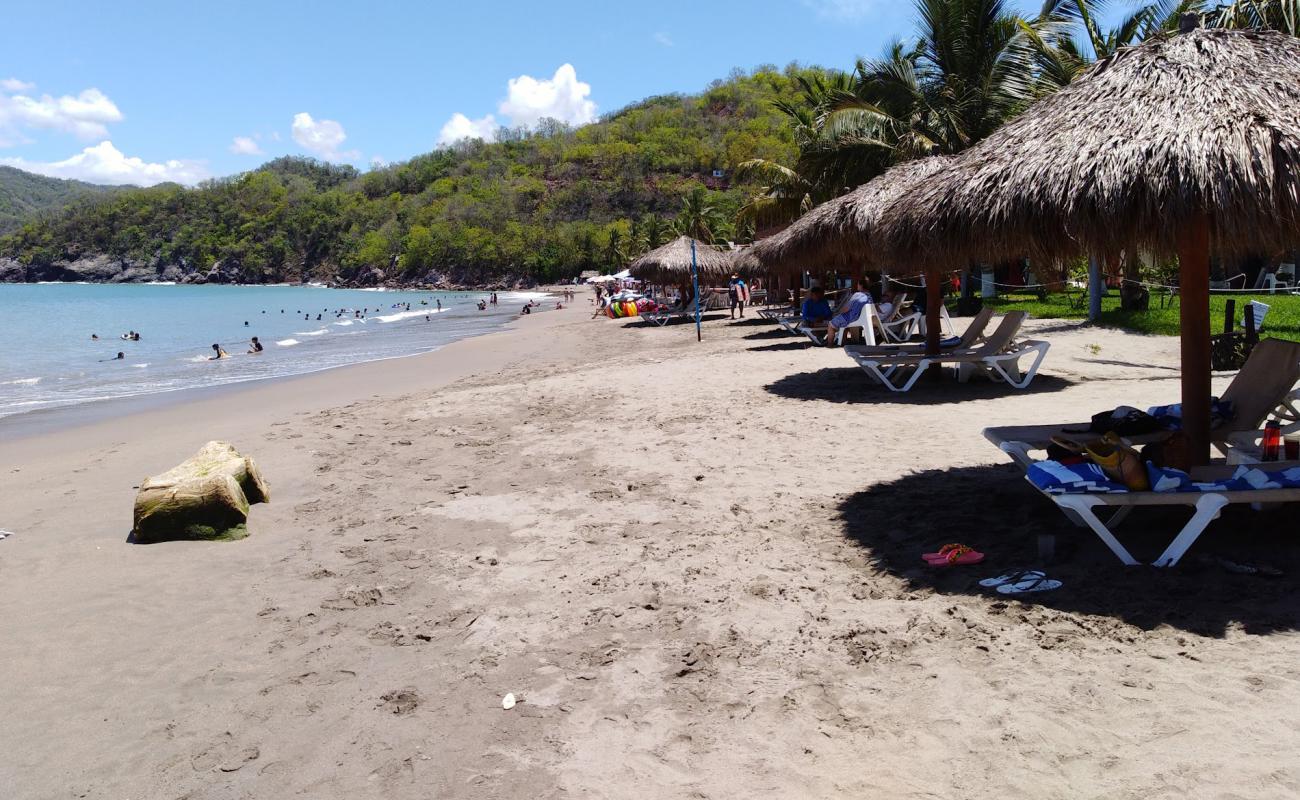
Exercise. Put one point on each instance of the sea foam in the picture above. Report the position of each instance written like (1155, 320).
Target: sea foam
(288, 342)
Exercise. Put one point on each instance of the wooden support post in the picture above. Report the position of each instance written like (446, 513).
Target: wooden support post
(1194, 319)
(933, 302)
(1230, 315)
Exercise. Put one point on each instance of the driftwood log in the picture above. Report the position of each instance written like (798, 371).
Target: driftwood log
(205, 497)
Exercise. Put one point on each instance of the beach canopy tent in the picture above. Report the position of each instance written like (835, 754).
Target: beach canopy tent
(1185, 145)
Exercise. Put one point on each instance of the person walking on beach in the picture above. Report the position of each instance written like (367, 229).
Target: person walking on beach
(254, 346)
(219, 353)
(738, 292)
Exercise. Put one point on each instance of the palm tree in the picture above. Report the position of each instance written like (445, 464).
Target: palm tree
(966, 73)
(614, 255)
(699, 217)
(654, 232)
(1281, 15)
(787, 192)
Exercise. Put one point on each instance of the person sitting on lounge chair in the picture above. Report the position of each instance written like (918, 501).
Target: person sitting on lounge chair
(852, 310)
(816, 310)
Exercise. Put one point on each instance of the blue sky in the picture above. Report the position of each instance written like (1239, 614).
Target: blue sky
(139, 92)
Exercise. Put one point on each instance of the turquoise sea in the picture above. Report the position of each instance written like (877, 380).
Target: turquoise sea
(48, 358)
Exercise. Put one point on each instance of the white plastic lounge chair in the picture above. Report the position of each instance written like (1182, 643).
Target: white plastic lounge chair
(1082, 510)
(898, 326)
(998, 357)
(1262, 387)
(972, 336)
(817, 333)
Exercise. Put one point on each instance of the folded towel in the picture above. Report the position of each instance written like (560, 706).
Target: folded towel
(1171, 416)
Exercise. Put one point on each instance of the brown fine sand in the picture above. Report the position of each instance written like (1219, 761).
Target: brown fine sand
(695, 565)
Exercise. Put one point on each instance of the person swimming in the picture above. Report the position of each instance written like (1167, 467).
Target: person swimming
(119, 357)
(219, 353)
(254, 346)
(94, 337)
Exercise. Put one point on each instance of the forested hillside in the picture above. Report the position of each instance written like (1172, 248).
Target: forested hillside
(23, 195)
(536, 204)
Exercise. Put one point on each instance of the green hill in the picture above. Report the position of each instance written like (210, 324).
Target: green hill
(24, 196)
(536, 204)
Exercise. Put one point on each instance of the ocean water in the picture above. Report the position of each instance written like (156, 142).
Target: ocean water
(48, 358)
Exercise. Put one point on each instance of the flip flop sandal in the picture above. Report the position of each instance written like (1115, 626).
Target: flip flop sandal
(944, 551)
(1015, 576)
(1030, 585)
(957, 556)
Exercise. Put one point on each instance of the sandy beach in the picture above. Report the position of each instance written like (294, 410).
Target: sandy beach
(695, 565)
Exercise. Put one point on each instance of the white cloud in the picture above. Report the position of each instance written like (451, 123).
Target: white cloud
(15, 85)
(663, 39)
(245, 146)
(85, 115)
(462, 127)
(528, 100)
(104, 163)
(843, 10)
(322, 137)
(563, 97)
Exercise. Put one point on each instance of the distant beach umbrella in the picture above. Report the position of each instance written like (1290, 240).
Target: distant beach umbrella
(671, 263)
(1187, 144)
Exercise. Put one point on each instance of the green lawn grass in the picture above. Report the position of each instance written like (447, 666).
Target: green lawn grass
(1283, 320)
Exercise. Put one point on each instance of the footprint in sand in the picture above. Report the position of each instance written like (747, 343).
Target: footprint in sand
(224, 754)
(400, 701)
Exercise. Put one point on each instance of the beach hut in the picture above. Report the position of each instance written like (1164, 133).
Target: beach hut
(685, 263)
(1185, 145)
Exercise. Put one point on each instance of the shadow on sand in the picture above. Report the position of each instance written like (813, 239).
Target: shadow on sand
(793, 344)
(851, 385)
(992, 509)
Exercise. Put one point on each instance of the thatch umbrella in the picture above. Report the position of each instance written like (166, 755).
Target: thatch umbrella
(1186, 144)
(842, 232)
(672, 263)
(683, 262)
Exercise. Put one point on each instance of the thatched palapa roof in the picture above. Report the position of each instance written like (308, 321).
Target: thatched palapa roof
(671, 263)
(841, 232)
(1144, 145)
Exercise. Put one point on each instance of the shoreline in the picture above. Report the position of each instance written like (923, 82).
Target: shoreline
(319, 389)
(43, 421)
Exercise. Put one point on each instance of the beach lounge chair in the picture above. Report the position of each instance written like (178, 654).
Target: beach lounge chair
(900, 325)
(998, 356)
(973, 335)
(1262, 387)
(1082, 509)
(817, 333)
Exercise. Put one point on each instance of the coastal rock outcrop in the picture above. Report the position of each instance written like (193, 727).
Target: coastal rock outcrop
(12, 271)
(204, 497)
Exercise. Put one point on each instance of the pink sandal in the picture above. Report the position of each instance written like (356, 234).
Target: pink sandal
(953, 555)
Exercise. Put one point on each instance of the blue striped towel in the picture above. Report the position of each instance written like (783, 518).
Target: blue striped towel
(1243, 480)
(1054, 477)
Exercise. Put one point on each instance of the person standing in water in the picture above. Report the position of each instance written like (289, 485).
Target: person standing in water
(254, 346)
(219, 353)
